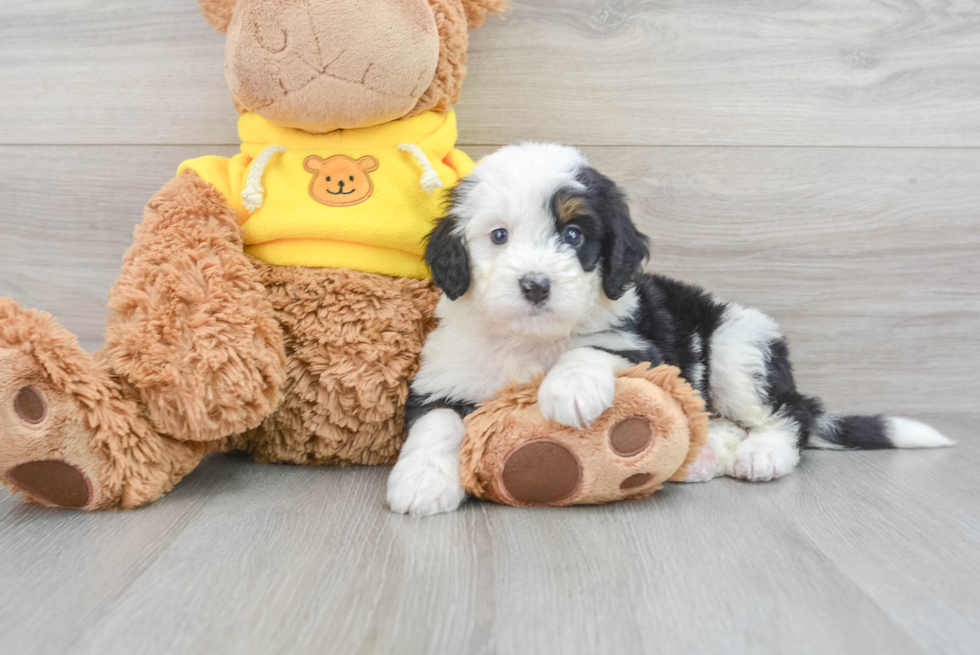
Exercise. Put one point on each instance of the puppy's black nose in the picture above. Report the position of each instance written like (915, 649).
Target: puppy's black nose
(535, 289)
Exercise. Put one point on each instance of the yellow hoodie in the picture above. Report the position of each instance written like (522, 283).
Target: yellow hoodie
(361, 198)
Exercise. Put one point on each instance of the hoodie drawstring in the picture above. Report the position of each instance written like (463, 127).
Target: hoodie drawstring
(430, 178)
(253, 195)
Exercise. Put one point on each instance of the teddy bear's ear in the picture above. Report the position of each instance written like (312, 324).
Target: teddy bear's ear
(217, 12)
(477, 11)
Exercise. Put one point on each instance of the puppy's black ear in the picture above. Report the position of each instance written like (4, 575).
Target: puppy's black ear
(624, 248)
(448, 258)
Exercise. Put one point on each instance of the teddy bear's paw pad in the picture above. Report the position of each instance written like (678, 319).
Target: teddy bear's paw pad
(541, 472)
(42, 429)
(30, 406)
(53, 481)
(635, 480)
(630, 437)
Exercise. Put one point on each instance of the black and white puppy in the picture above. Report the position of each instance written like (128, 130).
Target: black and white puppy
(540, 265)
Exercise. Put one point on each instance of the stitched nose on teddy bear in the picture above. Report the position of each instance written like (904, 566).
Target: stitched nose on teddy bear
(359, 63)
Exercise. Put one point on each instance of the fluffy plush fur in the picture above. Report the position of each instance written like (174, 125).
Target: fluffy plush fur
(190, 328)
(541, 267)
(353, 341)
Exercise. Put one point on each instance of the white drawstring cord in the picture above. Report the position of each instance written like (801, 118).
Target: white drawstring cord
(430, 178)
(254, 193)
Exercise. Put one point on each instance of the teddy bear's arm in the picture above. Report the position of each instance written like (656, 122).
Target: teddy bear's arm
(190, 328)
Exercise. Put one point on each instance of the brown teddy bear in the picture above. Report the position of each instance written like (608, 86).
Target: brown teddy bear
(274, 302)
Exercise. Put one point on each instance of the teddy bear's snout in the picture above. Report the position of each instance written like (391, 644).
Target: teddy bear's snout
(316, 66)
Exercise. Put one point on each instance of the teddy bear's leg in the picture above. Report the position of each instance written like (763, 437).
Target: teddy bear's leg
(191, 331)
(68, 436)
(353, 340)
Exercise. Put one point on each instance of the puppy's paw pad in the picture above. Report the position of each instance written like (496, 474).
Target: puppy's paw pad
(705, 467)
(635, 480)
(762, 460)
(423, 486)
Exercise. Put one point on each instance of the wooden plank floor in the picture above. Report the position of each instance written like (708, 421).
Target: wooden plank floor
(854, 553)
(819, 160)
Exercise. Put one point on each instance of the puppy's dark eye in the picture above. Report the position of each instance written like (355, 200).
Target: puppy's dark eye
(499, 236)
(572, 236)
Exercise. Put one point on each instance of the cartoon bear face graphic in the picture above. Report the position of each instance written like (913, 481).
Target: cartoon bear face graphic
(341, 181)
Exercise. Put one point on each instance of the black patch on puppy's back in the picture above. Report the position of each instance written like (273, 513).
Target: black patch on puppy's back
(670, 313)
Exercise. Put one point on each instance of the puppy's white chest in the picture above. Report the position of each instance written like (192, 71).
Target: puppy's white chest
(521, 368)
(468, 368)
(510, 365)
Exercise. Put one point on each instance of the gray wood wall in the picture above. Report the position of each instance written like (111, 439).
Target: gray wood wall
(820, 159)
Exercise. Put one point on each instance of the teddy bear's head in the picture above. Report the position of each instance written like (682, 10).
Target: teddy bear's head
(319, 65)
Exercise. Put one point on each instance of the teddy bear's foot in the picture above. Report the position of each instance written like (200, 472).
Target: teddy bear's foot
(545, 471)
(67, 437)
(45, 450)
(518, 458)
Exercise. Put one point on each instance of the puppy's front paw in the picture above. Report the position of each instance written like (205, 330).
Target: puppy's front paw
(576, 394)
(425, 484)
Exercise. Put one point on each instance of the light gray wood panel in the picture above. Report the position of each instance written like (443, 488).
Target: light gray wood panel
(640, 576)
(111, 71)
(710, 72)
(949, 490)
(724, 72)
(906, 530)
(870, 258)
(63, 570)
(484, 580)
(241, 558)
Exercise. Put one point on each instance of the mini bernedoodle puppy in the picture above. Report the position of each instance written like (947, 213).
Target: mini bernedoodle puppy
(540, 265)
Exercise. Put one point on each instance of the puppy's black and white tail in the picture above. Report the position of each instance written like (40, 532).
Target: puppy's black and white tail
(836, 432)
